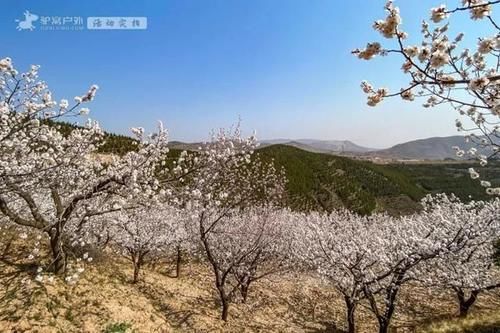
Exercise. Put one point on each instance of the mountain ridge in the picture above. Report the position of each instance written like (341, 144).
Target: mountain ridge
(323, 146)
(432, 148)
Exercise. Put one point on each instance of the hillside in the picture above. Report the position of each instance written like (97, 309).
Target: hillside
(437, 148)
(104, 300)
(449, 178)
(118, 143)
(320, 146)
(113, 143)
(324, 182)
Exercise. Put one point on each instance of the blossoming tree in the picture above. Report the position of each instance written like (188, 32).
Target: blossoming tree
(336, 246)
(373, 257)
(49, 179)
(441, 72)
(143, 233)
(25, 102)
(468, 269)
(407, 245)
(219, 182)
(262, 239)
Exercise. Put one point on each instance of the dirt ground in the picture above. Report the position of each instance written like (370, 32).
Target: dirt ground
(105, 300)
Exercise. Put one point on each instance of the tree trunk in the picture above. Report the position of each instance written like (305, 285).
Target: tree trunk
(137, 261)
(220, 278)
(137, 268)
(225, 302)
(390, 301)
(58, 265)
(350, 307)
(244, 291)
(464, 303)
(178, 262)
(383, 325)
(385, 320)
(225, 309)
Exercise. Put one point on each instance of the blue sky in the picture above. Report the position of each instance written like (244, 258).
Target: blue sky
(283, 66)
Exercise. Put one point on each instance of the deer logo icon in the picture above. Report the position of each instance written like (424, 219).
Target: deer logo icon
(27, 24)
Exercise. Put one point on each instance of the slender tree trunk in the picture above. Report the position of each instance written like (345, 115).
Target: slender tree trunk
(224, 300)
(351, 308)
(225, 309)
(383, 325)
(220, 279)
(58, 265)
(244, 291)
(385, 320)
(137, 268)
(137, 261)
(390, 301)
(465, 303)
(178, 262)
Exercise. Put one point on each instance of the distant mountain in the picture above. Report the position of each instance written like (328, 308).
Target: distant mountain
(437, 148)
(189, 146)
(320, 146)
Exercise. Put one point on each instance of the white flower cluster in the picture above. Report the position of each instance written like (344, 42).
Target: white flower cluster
(407, 95)
(448, 244)
(6, 66)
(487, 45)
(52, 179)
(479, 83)
(479, 9)
(439, 13)
(389, 27)
(443, 74)
(89, 96)
(371, 50)
(374, 96)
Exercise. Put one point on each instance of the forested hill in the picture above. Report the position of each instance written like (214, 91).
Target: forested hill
(113, 143)
(324, 182)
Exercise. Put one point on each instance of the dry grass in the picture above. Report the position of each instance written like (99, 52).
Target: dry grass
(105, 299)
(475, 323)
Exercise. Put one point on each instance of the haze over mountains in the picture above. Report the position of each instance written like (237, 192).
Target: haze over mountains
(322, 146)
(435, 148)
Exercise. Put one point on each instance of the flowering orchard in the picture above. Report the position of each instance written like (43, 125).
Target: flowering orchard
(371, 258)
(51, 180)
(222, 205)
(442, 72)
(221, 185)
